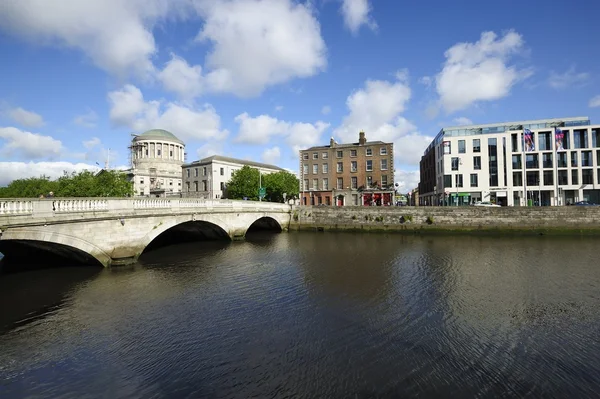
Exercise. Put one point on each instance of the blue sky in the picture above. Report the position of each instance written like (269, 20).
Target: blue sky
(260, 79)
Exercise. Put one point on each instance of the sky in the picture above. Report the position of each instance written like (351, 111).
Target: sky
(261, 79)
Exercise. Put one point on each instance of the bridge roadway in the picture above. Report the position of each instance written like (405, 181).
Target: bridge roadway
(116, 231)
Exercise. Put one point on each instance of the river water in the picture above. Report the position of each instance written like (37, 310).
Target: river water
(312, 315)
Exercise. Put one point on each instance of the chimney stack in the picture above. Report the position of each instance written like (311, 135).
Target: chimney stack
(331, 142)
(361, 138)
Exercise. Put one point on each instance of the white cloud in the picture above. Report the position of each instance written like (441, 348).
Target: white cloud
(479, 71)
(271, 155)
(426, 80)
(461, 121)
(326, 110)
(279, 108)
(208, 149)
(115, 34)
(22, 170)
(181, 78)
(88, 119)
(91, 143)
(128, 108)
(259, 43)
(28, 145)
(407, 180)
(263, 128)
(409, 148)
(570, 78)
(595, 102)
(356, 14)
(25, 118)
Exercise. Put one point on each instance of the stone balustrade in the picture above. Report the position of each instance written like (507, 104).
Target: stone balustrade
(16, 207)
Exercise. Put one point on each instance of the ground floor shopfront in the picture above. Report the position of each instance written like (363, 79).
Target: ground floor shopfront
(347, 198)
(536, 196)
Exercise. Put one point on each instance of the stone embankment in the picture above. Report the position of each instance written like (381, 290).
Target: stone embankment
(514, 220)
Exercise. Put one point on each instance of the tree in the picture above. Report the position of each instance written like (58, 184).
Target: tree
(280, 183)
(244, 183)
(32, 187)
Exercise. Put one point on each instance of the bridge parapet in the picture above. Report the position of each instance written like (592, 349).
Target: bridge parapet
(16, 207)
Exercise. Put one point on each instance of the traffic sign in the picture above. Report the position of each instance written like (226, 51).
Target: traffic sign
(262, 191)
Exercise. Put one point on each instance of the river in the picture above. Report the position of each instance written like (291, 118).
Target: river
(312, 315)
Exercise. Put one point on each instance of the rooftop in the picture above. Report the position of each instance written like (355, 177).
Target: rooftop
(233, 160)
(347, 145)
(158, 134)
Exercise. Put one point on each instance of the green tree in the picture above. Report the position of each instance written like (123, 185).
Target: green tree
(244, 183)
(32, 187)
(281, 183)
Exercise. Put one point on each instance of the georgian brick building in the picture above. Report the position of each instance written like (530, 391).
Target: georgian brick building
(360, 173)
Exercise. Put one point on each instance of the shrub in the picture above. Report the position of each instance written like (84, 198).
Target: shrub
(429, 220)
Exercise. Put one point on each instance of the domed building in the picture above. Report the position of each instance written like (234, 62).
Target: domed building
(156, 159)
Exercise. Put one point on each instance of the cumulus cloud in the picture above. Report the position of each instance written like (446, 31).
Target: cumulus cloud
(326, 110)
(91, 143)
(595, 102)
(479, 71)
(569, 78)
(279, 108)
(263, 128)
(356, 13)
(181, 78)
(426, 80)
(461, 121)
(23, 170)
(407, 180)
(128, 108)
(88, 119)
(24, 117)
(28, 145)
(115, 34)
(271, 155)
(208, 149)
(259, 43)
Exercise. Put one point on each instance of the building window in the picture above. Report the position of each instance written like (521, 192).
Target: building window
(454, 162)
(195, 186)
(325, 168)
(325, 184)
(340, 167)
(574, 160)
(516, 162)
(204, 171)
(315, 184)
(384, 181)
(327, 200)
(561, 159)
(324, 155)
(447, 147)
(305, 185)
(369, 181)
(517, 179)
(170, 182)
(142, 180)
(580, 138)
(352, 153)
(222, 186)
(459, 180)
(340, 183)
(315, 169)
(384, 164)
(447, 181)
(383, 151)
(548, 178)
(473, 179)
(187, 186)
(547, 160)
(305, 168)
(204, 185)
(222, 171)
(195, 172)
(369, 165)
(305, 156)
(462, 147)
(353, 166)
(476, 145)
(354, 181)
(574, 176)
(563, 178)
(171, 153)
(340, 154)
(187, 172)
(586, 158)
(315, 155)
(587, 176)
(533, 178)
(532, 161)
(369, 152)
(158, 152)
(514, 147)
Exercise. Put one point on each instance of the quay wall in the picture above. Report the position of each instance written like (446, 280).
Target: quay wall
(566, 220)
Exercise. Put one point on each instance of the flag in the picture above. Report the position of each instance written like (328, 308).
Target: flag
(559, 136)
(97, 164)
(529, 144)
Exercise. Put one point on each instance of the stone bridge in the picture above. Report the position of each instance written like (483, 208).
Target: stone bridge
(116, 231)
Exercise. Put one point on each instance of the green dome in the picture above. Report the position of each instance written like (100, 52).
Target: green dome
(158, 134)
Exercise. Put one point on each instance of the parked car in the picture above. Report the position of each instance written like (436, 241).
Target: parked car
(486, 203)
(585, 203)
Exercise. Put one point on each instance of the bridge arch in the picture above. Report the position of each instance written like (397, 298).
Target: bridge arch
(190, 225)
(265, 222)
(58, 243)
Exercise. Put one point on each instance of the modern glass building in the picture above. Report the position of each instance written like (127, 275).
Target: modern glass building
(558, 164)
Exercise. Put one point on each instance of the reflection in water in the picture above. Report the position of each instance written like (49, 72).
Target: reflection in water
(312, 315)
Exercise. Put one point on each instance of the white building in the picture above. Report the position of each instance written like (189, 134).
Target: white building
(156, 159)
(465, 164)
(208, 177)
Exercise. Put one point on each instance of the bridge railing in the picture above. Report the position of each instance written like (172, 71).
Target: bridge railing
(47, 207)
